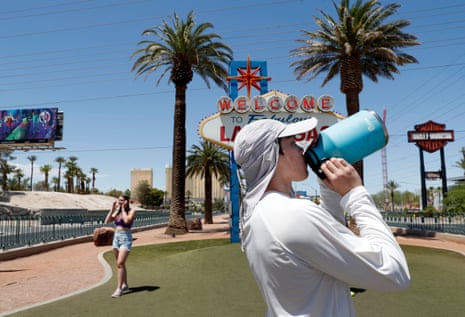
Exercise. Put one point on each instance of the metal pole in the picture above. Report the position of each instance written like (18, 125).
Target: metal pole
(423, 182)
(235, 200)
(443, 173)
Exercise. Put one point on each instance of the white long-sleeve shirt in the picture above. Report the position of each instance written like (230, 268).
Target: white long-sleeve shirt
(304, 258)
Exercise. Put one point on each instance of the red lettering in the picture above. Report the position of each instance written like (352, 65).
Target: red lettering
(291, 103)
(274, 104)
(310, 135)
(299, 137)
(236, 129)
(308, 103)
(326, 103)
(241, 104)
(224, 105)
(223, 137)
(259, 104)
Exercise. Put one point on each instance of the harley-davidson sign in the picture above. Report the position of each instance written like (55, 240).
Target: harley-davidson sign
(430, 136)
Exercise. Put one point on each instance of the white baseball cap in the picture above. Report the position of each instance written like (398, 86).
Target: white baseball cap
(256, 152)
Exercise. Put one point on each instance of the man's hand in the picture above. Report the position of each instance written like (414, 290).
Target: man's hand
(341, 177)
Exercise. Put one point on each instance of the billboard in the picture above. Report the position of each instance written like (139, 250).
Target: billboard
(29, 126)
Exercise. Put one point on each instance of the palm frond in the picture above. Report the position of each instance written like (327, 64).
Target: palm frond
(359, 31)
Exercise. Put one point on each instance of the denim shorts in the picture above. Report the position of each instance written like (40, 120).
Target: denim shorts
(122, 240)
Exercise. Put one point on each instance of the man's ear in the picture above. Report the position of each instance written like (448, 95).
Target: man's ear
(280, 150)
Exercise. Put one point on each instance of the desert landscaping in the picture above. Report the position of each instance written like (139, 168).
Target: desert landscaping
(36, 200)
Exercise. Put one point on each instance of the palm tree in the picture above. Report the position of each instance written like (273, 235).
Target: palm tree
(392, 186)
(46, 170)
(409, 199)
(81, 181)
(182, 49)
(358, 43)
(6, 169)
(438, 192)
(431, 196)
(461, 163)
(87, 181)
(72, 171)
(32, 159)
(19, 176)
(60, 160)
(69, 179)
(93, 171)
(207, 160)
(55, 183)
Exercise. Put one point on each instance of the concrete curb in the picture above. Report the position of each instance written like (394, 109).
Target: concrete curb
(398, 231)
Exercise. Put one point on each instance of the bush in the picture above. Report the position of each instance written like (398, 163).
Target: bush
(430, 210)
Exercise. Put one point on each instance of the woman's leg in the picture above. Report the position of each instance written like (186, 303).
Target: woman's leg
(121, 252)
(116, 253)
(117, 292)
(121, 265)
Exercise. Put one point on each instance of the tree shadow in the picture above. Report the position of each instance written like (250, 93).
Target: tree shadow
(145, 288)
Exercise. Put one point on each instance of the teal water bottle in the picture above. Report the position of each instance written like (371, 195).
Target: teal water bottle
(352, 138)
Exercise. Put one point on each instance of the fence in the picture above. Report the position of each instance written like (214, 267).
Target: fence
(27, 230)
(444, 222)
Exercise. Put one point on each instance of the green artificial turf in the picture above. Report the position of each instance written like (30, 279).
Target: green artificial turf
(437, 288)
(192, 278)
(211, 278)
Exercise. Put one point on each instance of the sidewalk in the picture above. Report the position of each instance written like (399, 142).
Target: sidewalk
(30, 281)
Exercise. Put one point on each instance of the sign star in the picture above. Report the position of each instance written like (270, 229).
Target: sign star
(248, 78)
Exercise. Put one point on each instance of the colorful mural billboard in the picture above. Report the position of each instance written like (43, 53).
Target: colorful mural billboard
(28, 126)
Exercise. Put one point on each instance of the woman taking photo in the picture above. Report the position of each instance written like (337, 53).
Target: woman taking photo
(123, 216)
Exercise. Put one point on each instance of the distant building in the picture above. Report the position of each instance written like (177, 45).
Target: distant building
(459, 180)
(194, 188)
(139, 175)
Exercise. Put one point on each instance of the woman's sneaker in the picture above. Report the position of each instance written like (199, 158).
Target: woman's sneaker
(117, 293)
(125, 287)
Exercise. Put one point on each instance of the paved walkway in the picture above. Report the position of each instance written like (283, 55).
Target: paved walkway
(30, 281)
(37, 279)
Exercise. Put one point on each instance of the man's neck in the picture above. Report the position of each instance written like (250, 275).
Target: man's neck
(284, 188)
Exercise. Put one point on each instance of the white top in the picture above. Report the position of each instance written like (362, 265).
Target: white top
(304, 259)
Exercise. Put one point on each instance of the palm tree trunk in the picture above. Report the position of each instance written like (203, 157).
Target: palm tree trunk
(177, 223)
(352, 102)
(32, 173)
(351, 86)
(353, 106)
(59, 178)
(392, 201)
(208, 197)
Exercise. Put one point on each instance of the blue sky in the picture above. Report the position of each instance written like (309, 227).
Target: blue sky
(76, 55)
